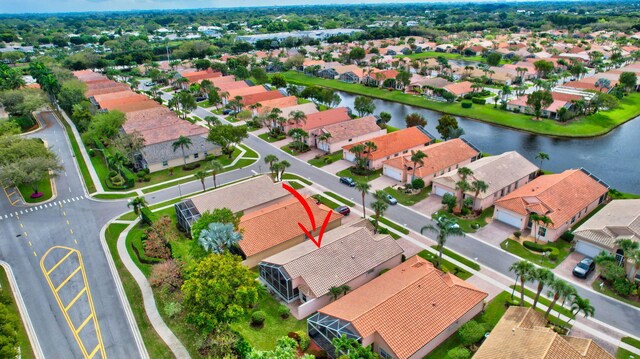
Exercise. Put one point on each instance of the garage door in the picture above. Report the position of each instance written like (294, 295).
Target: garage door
(392, 173)
(508, 218)
(588, 249)
(441, 191)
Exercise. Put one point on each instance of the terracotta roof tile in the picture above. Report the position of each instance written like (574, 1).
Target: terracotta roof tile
(261, 96)
(231, 85)
(414, 298)
(558, 196)
(350, 129)
(245, 91)
(440, 156)
(280, 103)
(324, 118)
(395, 142)
(459, 88)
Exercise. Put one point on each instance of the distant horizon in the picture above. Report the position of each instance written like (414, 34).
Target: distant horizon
(48, 7)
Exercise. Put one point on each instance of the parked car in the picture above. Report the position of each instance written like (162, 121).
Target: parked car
(348, 181)
(343, 210)
(228, 111)
(200, 98)
(149, 83)
(454, 225)
(390, 199)
(584, 267)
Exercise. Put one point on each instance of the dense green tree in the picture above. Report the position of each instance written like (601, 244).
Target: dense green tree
(71, 94)
(104, 126)
(446, 124)
(444, 228)
(227, 137)
(415, 119)
(278, 81)
(350, 348)
(629, 80)
(260, 75)
(219, 215)
(494, 58)
(539, 100)
(22, 102)
(364, 105)
(9, 341)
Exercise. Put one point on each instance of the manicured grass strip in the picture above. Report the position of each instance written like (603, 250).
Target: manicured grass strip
(359, 178)
(625, 354)
(44, 187)
(446, 55)
(340, 198)
(392, 129)
(78, 155)
(320, 162)
(408, 199)
(606, 290)
(266, 137)
(250, 153)
(445, 265)
(154, 344)
(516, 248)
(291, 176)
(589, 126)
(327, 202)
(393, 225)
(468, 225)
(542, 300)
(26, 352)
(115, 195)
(469, 263)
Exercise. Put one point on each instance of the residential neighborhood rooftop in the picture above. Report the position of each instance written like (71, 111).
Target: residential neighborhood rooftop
(619, 219)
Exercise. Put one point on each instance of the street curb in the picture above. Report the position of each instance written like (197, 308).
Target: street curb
(22, 309)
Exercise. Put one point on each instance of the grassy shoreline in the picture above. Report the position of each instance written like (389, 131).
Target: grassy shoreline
(590, 126)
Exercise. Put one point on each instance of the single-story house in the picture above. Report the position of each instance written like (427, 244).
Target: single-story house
(391, 145)
(242, 92)
(280, 103)
(353, 75)
(459, 89)
(403, 314)
(247, 196)
(620, 219)
(502, 173)
(350, 255)
(317, 120)
(273, 229)
(564, 198)
(346, 132)
(377, 77)
(523, 330)
(560, 100)
(443, 156)
(308, 108)
(248, 100)
(199, 76)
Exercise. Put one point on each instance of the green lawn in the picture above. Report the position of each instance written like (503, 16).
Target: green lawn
(115, 195)
(592, 125)
(469, 263)
(609, 292)
(393, 225)
(446, 55)
(291, 176)
(625, 354)
(445, 265)
(23, 339)
(621, 195)
(468, 225)
(358, 178)
(391, 129)
(44, 187)
(326, 201)
(340, 198)
(326, 159)
(84, 170)
(266, 137)
(292, 150)
(274, 327)
(154, 344)
(408, 199)
(516, 248)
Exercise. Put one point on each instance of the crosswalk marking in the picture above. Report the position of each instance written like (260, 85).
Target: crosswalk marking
(43, 206)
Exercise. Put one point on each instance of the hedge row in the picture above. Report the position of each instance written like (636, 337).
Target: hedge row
(479, 101)
(537, 247)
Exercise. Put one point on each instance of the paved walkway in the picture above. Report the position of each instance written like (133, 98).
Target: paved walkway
(429, 205)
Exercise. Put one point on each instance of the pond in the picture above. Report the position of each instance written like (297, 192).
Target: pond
(614, 157)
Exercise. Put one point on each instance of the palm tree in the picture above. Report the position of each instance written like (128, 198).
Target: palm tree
(335, 292)
(523, 270)
(444, 228)
(479, 186)
(216, 167)
(579, 304)
(542, 157)
(363, 188)
(544, 277)
(181, 143)
(630, 250)
(559, 289)
(369, 147)
(270, 160)
(324, 138)
(464, 172)
(357, 150)
(282, 166)
(379, 206)
(137, 204)
(462, 186)
(297, 117)
(201, 175)
(345, 289)
(417, 159)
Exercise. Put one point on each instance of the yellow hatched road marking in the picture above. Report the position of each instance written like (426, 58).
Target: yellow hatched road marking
(59, 262)
(100, 346)
(68, 221)
(68, 278)
(75, 299)
(25, 234)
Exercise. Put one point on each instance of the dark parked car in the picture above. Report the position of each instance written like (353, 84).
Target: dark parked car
(201, 98)
(348, 181)
(584, 267)
(343, 210)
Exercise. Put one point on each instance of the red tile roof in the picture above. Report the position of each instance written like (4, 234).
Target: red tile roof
(395, 142)
(324, 118)
(261, 96)
(440, 156)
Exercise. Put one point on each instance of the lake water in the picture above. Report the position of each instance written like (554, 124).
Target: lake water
(614, 158)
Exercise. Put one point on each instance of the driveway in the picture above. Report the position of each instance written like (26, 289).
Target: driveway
(382, 182)
(494, 232)
(337, 166)
(565, 270)
(312, 153)
(429, 205)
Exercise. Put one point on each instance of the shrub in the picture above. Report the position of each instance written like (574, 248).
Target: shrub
(459, 353)
(318, 353)
(294, 336)
(147, 216)
(417, 183)
(166, 275)
(156, 247)
(465, 211)
(243, 348)
(517, 234)
(129, 177)
(537, 247)
(117, 180)
(304, 340)
(623, 287)
(567, 236)
(283, 311)
(91, 152)
(140, 174)
(471, 332)
(172, 309)
(112, 174)
(479, 101)
(258, 318)
(466, 104)
(191, 166)
(147, 178)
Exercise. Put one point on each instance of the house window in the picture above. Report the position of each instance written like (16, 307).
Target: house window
(196, 155)
(405, 151)
(542, 231)
(351, 139)
(384, 354)
(573, 219)
(502, 192)
(370, 271)
(206, 153)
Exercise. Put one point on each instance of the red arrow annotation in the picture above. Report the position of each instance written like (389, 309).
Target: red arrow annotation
(310, 215)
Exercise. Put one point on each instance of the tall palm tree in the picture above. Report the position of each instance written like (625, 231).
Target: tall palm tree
(270, 160)
(297, 117)
(335, 292)
(579, 304)
(201, 175)
(444, 228)
(479, 186)
(417, 158)
(523, 270)
(559, 289)
(544, 277)
(358, 150)
(462, 186)
(216, 167)
(464, 172)
(370, 147)
(137, 204)
(283, 165)
(324, 138)
(541, 156)
(379, 206)
(182, 142)
(363, 188)
(631, 253)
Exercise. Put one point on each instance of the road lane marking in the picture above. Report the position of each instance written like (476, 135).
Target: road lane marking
(75, 299)
(95, 350)
(68, 221)
(71, 230)
(64, 213)
(25, 234)
(29, 243)
(84, 323)
(21, 225)
(75, 241)
(34, 254)
(59, 262)
(67, 279)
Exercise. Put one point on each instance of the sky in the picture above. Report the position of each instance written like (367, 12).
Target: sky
(50, 6)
